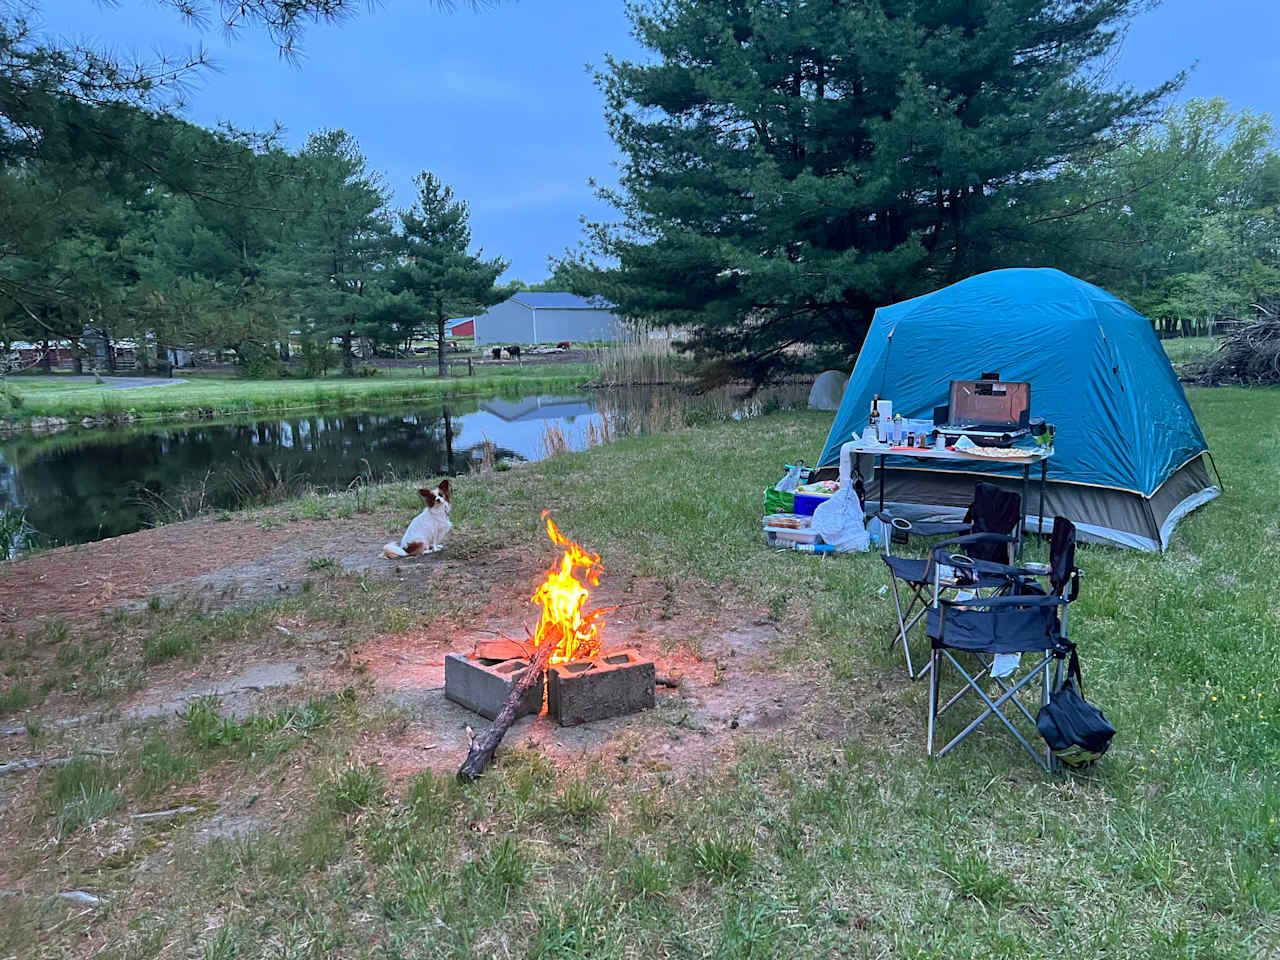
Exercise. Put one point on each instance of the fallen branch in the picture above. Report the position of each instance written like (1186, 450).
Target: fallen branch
(163, 814)
(79, 896)
(17, 766)
(483, 746)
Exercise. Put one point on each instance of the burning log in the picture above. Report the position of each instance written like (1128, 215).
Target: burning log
(483, 746)
(564, 632)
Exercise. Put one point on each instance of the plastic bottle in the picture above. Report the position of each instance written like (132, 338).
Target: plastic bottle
(813, 547)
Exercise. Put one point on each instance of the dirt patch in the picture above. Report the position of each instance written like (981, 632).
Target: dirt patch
(729, 686)
(235, 694)
(235, 559)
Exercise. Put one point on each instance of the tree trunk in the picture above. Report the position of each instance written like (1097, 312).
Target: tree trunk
(348, 365)
(440, 358)
(483, 747)
(44, 357)
(448, 444)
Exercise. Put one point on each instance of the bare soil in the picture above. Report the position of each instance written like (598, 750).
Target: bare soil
(730, 686)
(234, 558)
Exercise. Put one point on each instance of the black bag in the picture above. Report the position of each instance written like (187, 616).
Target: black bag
(1076, 731)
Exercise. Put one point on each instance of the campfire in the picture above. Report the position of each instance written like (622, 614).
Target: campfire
(504, 681)
(562, 597)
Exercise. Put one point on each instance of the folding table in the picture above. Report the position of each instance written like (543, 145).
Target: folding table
(1027, 458)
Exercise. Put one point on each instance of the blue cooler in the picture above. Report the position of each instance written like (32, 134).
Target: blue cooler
(806, 503)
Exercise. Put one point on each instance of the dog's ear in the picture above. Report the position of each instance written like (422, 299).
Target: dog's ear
(427, 495)
(444, 491)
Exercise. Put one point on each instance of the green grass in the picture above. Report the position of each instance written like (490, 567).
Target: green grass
(209, 397)
(833, 836)
(1187, 349)
(270, 733)
(85, 791)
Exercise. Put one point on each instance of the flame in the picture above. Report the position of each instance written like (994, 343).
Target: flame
(562, 596)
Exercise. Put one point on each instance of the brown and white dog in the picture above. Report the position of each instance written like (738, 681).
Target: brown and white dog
(428, 529)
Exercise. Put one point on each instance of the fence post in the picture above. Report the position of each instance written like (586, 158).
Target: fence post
(470, 371)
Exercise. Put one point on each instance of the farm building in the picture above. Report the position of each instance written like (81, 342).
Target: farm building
(466, 327)
(546, 318)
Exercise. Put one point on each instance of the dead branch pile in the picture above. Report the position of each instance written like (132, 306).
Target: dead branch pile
(1250, 354)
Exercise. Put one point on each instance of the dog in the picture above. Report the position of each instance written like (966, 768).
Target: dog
(426, 531)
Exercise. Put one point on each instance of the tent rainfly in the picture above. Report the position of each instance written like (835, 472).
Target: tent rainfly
(1129, 457)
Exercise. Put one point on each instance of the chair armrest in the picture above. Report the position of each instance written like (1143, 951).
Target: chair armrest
(976, 538)
(1007, 600)
(925, 528)
(941, 553)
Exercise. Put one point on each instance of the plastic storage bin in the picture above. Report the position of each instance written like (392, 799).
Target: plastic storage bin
(806, 503)
(784, 537)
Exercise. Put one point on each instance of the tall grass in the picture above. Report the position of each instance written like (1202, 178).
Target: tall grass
(555, 439)
(14, 532)
(173, 506)
(242, 484)
(638, 363)
(488, 456)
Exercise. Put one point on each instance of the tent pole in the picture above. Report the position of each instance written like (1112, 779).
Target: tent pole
(1221, 486)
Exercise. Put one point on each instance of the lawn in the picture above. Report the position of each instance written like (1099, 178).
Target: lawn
(832, 835)
(1186, 349)
(204, 397)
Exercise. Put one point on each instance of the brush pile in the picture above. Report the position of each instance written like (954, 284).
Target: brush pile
(1250, 354)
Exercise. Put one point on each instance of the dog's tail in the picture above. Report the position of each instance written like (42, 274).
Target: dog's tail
(393, 550)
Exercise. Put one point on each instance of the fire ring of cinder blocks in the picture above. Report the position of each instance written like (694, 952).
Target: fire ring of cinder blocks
(609, 685)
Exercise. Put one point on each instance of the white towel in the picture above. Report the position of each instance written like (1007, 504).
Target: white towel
(1005, 663)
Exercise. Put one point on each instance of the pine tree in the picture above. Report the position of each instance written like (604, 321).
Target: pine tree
(345, 239)
(791, 165)
(435, 267)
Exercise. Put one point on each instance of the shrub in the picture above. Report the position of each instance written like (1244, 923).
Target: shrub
(258, 362)
(317, 357)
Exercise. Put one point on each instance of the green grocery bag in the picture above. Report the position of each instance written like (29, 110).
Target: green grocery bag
(775, 501)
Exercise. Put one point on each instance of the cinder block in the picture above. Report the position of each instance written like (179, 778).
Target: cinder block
(484, 685)
(610, 685)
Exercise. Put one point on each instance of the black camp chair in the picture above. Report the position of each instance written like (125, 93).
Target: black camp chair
(1023, 618)
(993, 514)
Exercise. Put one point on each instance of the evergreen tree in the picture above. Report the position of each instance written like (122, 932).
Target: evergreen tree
(345, 239)
(434, 266)
(790, 166)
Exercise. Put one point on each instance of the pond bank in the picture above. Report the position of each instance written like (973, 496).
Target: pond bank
(138, 475)
(51, 404)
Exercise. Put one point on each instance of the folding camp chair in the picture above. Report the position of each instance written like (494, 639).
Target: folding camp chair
(1024, 618)
(994, 513)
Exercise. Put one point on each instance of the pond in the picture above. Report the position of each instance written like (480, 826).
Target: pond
(85, 485)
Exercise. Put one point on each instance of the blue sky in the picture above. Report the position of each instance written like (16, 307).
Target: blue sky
(501, 105)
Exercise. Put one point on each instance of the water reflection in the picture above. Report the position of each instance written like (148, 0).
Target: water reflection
(88, 485)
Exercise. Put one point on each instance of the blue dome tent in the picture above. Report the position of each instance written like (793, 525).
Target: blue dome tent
(1129, 457)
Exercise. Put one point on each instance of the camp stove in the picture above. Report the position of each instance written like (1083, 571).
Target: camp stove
(991, 412)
